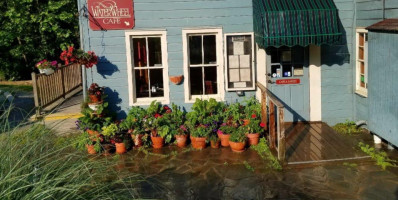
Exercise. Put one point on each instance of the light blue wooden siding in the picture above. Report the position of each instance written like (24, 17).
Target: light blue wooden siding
(383, 84)
(369, 12)
(171, 15)
(337, 69)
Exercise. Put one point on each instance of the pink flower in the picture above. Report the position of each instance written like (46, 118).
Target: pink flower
(219, 132)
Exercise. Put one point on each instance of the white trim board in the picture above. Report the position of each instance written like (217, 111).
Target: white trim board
(133, 101)
(315, 83)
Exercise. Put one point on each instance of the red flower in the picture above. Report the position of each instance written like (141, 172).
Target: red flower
(168, 111)
(262, 124)
(156, 115)
(166, 108)
(254, 116)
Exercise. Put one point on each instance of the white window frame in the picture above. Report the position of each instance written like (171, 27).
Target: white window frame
(253, 62)
(133, 100)
(220, 64)
(358, 89)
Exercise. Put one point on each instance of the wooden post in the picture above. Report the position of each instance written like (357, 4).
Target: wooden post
(281, 135)
(264, 114)
(272, 124)
(63, 82)
(36, 94)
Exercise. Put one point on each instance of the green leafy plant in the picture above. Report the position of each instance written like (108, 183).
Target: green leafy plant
(380, 157)
(238, 135)
(214, 138)
(164, 132)
(347, 128)
(201, 131)
(255, 126)
(111, 130)
(94, 120)
(85, 139)
(252, 108)
(248, 166)
(133, 119)
(175, 119)
(226, 129)
(266, 154)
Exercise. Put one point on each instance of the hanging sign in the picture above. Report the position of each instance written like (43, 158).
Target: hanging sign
(111, 14)
(287, 81)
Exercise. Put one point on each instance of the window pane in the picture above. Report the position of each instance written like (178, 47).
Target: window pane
(362, 64)
(141, 83)
(196, 78)
(139, 50)
(361, 39)
(155, 51)
(210, 52)
(210, 80)
(360, 53)
(156, 77)
(362, 80)
(195, 50)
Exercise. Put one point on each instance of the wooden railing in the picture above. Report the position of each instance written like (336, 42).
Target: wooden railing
(54, 88)
(274, 121)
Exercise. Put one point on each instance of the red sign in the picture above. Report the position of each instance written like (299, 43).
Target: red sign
(287, 81)
(111, 14)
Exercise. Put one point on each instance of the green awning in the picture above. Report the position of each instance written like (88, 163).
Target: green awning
(296, 22)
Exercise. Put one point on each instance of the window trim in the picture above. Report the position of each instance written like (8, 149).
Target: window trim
(133, 100)
(253, 62)
(358, 89)
(220, 63)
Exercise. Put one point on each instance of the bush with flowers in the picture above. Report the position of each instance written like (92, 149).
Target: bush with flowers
(72, 55)
(45, 64)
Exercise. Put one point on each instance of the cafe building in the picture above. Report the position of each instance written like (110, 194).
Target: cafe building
(306, 52)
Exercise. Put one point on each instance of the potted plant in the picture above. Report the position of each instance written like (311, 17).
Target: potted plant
(71, 55)
(92, 122)
(215, 141)
(224, 133)
(88, 142)
(237, 141)
(95, 93)
(254, 129)
(175, 119)
(110, 133)
(199, 135)
(157, 125)
(252, 111)
(133, 124)
(46, 67)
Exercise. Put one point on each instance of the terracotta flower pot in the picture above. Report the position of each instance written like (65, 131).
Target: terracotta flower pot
(94, 98)
(224, 139)
(198, 142)
(215, 144)
(237, 146)
(137, 139)
(120, 148)
(93, 134)
(253, 138)
(107, 149)
(90, 149)
(181, 140)
(246, 122)
(176, 79)
(157, 142)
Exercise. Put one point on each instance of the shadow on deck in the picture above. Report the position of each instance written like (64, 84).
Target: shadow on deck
(308, 143)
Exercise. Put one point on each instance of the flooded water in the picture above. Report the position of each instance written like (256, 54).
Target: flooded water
(174, 173)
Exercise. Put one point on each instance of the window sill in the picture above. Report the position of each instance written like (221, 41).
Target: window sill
(362, 93)
(148, 101)
(204, 97)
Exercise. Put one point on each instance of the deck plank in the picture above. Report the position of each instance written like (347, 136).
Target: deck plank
(317, 142)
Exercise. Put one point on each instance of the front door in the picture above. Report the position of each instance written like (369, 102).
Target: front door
(287, 79)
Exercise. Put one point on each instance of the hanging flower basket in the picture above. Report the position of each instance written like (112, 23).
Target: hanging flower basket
(94, 106)
(47, 71)
(176, 79)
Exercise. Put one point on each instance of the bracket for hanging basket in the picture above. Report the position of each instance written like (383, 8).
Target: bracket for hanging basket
(176, 79)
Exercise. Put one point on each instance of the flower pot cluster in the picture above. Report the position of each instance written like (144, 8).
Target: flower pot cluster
(209, 123)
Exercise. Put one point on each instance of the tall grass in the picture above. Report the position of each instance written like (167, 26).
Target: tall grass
(37, 164)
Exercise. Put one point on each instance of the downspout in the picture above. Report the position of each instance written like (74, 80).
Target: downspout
(384, 9)
(84, 72)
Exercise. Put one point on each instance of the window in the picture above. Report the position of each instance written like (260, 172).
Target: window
(239, 61)
(147, 67)
(287, 61)
(362, 62)
(203, 64)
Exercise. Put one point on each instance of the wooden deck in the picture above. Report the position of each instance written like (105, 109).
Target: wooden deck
(317, 142)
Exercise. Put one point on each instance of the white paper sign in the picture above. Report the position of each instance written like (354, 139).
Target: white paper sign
(245, 75)
(240, 85)
(233, 62)
(233, 75)
(244, 61)
(239, 48)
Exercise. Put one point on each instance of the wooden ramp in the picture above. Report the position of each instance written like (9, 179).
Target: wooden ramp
(317, 142)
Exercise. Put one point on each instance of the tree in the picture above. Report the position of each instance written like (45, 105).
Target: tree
(32, 30)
